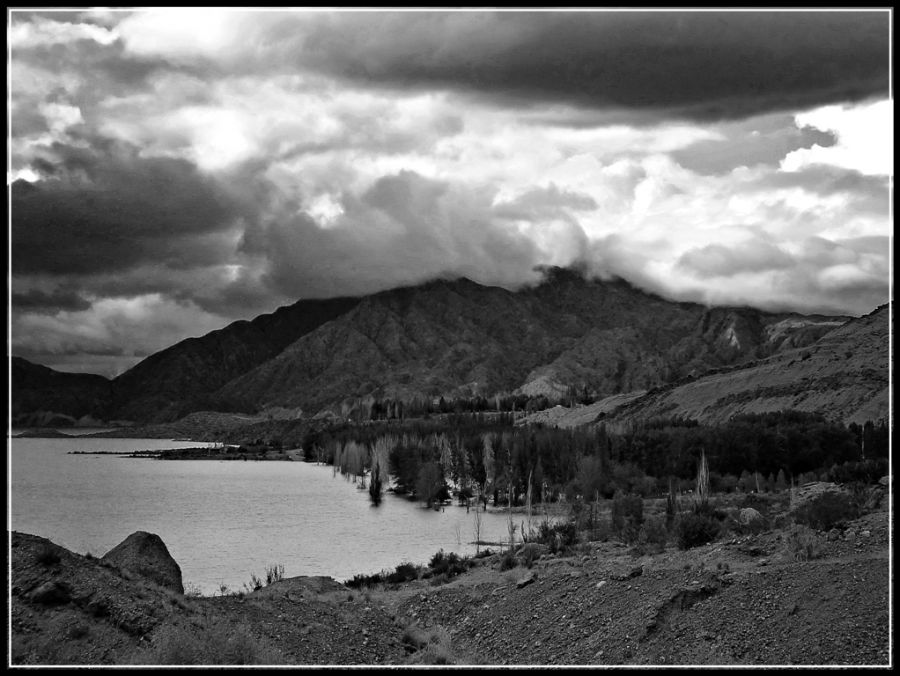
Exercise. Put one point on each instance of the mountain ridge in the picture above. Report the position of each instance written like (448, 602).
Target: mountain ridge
(453, 338)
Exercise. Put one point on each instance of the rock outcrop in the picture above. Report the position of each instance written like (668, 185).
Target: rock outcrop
(146, 554)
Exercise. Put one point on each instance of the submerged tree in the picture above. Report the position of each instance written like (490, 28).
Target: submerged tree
(379, 466)
(702, 481)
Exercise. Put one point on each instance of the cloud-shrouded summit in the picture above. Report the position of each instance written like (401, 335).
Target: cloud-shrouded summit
(173, 170)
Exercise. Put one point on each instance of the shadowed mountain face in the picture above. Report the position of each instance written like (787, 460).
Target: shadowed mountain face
(179, 379)
(457, 338)
(454, 339)
(44, 397)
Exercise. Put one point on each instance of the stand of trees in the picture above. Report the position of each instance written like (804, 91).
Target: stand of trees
(475, 454)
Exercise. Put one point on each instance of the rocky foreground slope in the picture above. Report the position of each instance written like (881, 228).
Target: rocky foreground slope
(740, 600)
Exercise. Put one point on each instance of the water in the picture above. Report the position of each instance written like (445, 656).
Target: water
(225, 520)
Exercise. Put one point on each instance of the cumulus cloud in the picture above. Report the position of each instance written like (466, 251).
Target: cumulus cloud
(864, 139)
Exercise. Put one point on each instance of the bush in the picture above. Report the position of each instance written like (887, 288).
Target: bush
(47, 555)
(653, 535)
(433, 645)
(530, 553)
(274, 573)
(626, 516)
(558, 537)
(866, 471)
(826, 510)
(405, 572)
(360, 580)
(508, 561)
(695, 529)
(214, 642)
(447, 564)
(802, 544)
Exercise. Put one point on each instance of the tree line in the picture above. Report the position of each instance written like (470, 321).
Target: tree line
(488, 457)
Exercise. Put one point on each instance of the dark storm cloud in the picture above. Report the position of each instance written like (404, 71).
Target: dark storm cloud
(700, 65)
(35, 300)
(108, 209)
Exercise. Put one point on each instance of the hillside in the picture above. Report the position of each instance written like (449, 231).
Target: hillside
(44, 397)
(460, 339)
(450, 338)
(843, 376)
(179, 379)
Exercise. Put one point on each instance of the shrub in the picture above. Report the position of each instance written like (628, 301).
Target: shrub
(802, 544)
(255, 583)
(214, 642)
(47, 555)
(274, 573)
(626, 516)
(448, 564)
(530, 553)
(695, 529)
(433, 645)
(405, 572)
(653, 535)
(508, 561)
(866, 471)
(360, 580)
(826, 510)
(559, 537)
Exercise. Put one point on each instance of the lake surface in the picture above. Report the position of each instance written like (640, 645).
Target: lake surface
(223, 520)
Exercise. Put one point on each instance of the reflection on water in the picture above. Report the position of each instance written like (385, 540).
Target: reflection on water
(223, 520)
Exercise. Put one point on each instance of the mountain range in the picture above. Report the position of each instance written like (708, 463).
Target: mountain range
(454, 338)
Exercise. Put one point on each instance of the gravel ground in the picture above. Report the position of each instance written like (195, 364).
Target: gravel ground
(738, 601)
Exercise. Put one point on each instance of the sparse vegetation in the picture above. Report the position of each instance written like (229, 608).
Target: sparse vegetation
(274, 573)
(695, 529)
(803, 544)
(653, 536)
(626, 516)
(827, 510)
(47, 555)
(508, 561)
(559, 537)
(211, 642)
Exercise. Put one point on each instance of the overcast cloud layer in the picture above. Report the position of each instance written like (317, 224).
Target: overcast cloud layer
(172, 171)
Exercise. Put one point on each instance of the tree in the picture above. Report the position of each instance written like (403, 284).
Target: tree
(379, 473)
(702, 481)
(477, 523)
(430, 485)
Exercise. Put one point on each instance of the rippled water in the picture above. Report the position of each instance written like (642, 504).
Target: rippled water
(223, 520)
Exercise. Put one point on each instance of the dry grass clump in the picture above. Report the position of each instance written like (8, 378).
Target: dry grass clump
(432, 644)
(47, 555)
(211, 643)
(803, 544)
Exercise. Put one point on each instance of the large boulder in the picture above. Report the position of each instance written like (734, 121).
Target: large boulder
(750, 517)
(146, 554)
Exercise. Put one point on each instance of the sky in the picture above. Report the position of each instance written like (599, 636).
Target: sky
(171, 171)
